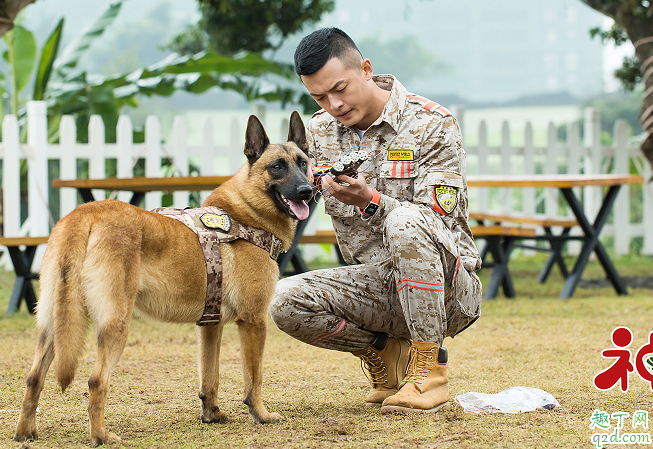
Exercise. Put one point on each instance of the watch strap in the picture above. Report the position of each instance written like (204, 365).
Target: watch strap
(373, 205)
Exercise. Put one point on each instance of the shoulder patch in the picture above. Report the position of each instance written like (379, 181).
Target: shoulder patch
(429, 105)
(321, 111)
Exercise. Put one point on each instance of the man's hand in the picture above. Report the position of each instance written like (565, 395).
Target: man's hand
(357, 193)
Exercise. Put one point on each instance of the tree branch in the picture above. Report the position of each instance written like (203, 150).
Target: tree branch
(607, 7)
(9, 9)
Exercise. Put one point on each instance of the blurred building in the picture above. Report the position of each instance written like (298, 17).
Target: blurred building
(486, 51)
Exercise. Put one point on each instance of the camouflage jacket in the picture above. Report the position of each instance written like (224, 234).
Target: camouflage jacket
(418, 158)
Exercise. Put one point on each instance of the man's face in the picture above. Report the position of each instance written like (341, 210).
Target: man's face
(343, 92)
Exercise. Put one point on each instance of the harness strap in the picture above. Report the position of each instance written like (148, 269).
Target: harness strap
(213, 258)
(214, 226)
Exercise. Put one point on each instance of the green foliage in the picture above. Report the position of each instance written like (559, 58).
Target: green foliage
(618, 106)
(20, 54)
(615, 34)
(48, 55)
(231, 26)
(68, 90)
(630, 73)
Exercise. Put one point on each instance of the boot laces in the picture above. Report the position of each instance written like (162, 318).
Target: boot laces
(419, 366)
(373, 367)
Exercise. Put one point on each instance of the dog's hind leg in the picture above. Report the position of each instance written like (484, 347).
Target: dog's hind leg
(44, 354)
(111, 339)
(252, 331)
(209, 339)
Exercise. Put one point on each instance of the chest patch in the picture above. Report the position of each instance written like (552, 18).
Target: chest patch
(446, 197)
(401, 155)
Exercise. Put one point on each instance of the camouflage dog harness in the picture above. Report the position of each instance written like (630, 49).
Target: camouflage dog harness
(213, 226)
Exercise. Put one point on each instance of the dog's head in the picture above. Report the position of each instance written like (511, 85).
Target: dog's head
(284, 167)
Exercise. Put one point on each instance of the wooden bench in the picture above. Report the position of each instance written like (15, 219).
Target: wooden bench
(500, 242)
(22, 261)
(556, 241)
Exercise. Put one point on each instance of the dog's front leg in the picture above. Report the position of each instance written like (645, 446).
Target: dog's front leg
(252, 331)
(210, 338)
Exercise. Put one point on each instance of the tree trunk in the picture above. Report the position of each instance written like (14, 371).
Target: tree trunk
(9, 9)
(632, 18)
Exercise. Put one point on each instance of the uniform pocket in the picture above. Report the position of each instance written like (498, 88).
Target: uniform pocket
(397, 179)
(464, 305)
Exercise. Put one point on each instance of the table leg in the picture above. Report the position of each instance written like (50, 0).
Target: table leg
(592, 243)
(500, 249)
(555, 256)
(23, 288)
(137, 198)
(87, 195)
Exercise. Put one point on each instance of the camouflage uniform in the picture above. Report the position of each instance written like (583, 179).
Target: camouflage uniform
(411, 269)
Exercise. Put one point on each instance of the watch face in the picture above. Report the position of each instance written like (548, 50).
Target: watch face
(371, 208)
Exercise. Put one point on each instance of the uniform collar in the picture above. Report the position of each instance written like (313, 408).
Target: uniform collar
(396, 101)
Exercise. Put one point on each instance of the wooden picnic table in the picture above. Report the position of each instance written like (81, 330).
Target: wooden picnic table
(22, 260)
(591, 230)
(139, 186)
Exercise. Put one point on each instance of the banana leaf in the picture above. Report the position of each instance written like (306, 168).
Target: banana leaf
(71, 55)
(20, 54)
(48, 55)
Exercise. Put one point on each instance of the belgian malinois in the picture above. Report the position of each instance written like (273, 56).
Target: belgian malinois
(107, 257)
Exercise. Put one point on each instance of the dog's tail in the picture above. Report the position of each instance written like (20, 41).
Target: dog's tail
(62, 297)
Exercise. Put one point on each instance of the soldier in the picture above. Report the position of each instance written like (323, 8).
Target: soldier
(402, 226)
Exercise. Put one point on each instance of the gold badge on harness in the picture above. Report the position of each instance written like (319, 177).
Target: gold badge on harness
(447, 198)
(215, 221)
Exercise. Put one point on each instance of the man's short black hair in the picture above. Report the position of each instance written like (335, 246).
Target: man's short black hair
(318, 47)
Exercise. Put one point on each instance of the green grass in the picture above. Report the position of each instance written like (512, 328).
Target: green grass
(536, 340)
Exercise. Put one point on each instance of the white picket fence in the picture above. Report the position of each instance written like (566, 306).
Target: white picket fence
(222, 156)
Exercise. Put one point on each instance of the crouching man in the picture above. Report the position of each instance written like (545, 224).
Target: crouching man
(402, 226)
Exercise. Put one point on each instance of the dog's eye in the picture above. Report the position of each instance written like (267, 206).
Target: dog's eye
(303, 164)
(277, 166)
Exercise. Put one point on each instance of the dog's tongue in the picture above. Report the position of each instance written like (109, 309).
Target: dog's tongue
(299, 208)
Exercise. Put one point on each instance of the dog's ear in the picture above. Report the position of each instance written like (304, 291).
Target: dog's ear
(256, 141)
(297, 133)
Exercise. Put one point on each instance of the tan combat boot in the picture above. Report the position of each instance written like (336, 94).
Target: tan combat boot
(425, 388)
(385, 369)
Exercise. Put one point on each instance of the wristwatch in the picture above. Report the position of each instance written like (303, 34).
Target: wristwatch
(373, 205)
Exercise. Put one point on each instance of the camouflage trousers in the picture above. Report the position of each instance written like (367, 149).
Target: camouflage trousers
(421, 292)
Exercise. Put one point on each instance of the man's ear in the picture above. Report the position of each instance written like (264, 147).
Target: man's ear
(367, 69)
(297, 132)
(256, 141)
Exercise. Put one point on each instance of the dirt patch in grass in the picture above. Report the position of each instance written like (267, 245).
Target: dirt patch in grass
(629, 282)
(536, 340)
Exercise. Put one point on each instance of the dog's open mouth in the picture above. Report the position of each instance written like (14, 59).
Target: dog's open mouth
(296, 209)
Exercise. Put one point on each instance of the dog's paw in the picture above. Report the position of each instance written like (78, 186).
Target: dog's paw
(31, 435)
(107, 438)
(212, 416)
(268, 418)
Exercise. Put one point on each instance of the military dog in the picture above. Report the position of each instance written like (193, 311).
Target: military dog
(107, 257)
